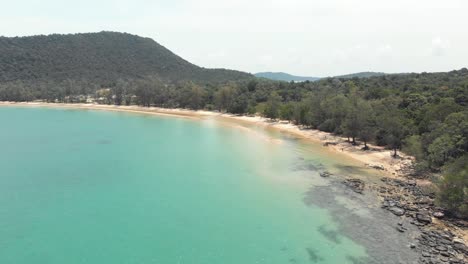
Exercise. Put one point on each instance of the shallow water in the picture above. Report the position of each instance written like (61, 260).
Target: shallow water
(102, 187)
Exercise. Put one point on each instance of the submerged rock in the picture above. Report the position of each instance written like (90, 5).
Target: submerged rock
(402, 229)
(355, 184)
(397, 210)
(325, 174)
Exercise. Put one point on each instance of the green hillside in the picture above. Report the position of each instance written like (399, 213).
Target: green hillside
(100, 59)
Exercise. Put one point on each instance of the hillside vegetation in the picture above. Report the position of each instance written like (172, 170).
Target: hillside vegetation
(99, 59)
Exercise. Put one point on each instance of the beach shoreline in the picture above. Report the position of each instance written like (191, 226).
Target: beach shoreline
(394, 170)
(377, 157)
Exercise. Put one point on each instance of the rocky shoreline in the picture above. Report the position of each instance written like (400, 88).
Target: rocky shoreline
(440, 239)
(439, 242)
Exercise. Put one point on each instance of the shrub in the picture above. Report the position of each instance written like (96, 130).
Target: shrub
(453, 188)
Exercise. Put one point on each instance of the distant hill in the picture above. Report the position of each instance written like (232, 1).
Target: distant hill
(282, 76)
(360, 75)
(99, 58)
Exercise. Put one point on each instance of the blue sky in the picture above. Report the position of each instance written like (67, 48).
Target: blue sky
(305, 37)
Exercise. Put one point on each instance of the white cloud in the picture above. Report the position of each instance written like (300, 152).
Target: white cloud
(440, 46)
(385, 50)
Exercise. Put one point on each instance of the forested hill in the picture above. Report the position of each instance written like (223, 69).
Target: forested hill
(282, 76)
(361, 75)
(98, 58)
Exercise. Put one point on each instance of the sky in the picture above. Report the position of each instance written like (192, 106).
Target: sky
(302, 37)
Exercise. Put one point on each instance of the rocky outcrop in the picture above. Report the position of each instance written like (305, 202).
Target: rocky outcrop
(355, 184)
(407, 200)
(442, 247)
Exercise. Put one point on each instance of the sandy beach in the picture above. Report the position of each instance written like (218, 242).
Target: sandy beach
(377, 157)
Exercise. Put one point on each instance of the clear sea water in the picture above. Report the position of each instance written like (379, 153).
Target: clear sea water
(101, 187)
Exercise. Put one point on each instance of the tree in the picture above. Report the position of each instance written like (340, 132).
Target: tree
(449, 140)
(196, 99)
(431, 114)
(118, 91)
(355, 116)
(453, 188)
(145, 92)
(287, 111)
(239, 104)
(335, 109)
(368, 124)
(393, 123)
(223, 97)
(441, 150)
(273, 106)
(302, 114)
(351, 125)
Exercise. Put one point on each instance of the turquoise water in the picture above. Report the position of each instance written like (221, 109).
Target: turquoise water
(103, 187)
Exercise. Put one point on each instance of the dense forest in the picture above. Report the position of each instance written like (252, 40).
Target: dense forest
(98, 58)
(425, 115)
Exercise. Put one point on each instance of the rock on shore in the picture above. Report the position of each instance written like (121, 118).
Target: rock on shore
(355, 184)
(406, 199)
